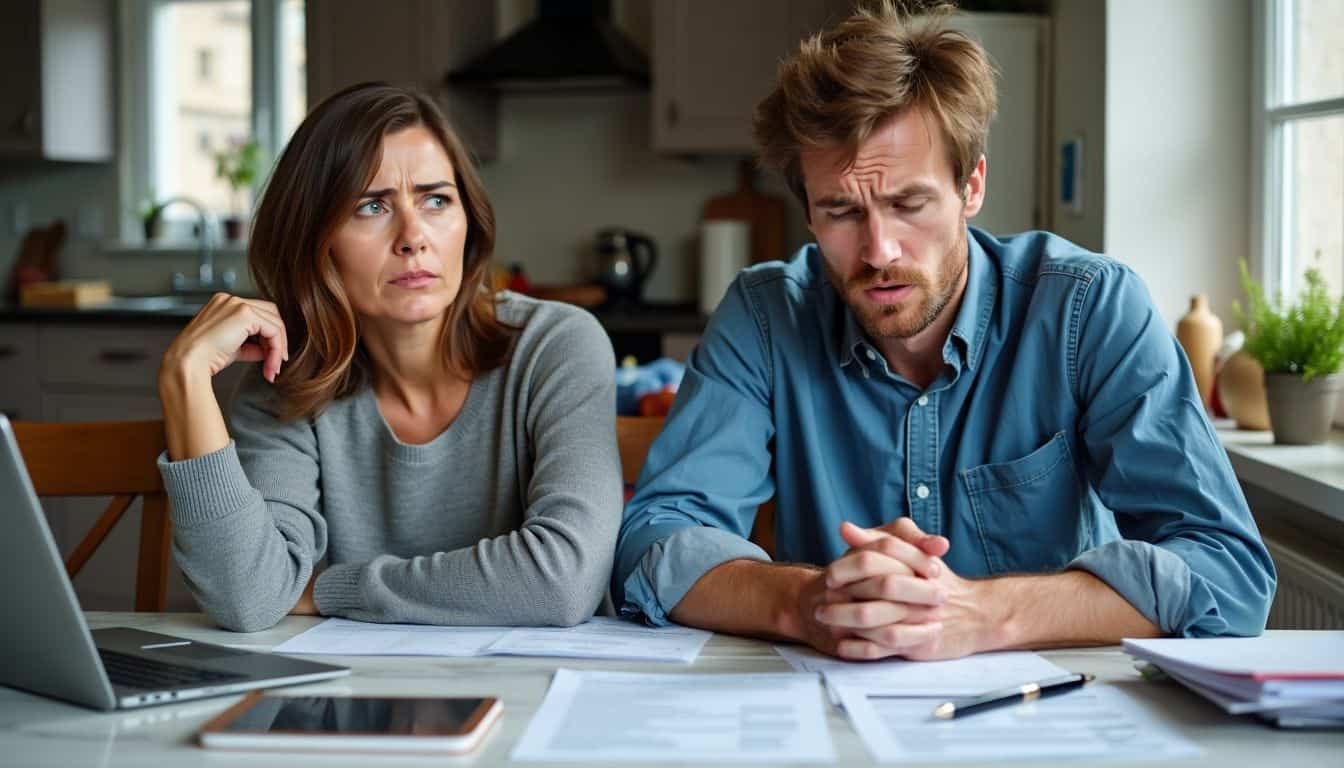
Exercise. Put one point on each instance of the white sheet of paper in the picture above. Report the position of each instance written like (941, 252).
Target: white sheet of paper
(1286, 653)
(969, 676)
(1098, 721)
(343, 637)
(692, 719)
(597, 638)
(604, 638)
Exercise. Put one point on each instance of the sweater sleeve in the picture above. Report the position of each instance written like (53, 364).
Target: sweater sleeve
(553, 569)
(247, 556)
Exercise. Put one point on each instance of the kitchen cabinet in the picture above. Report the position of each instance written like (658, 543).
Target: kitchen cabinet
(713, 61)
(52, 370)
(56, 85)
(410, 43)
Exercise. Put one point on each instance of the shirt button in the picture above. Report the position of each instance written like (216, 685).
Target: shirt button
(871, 354)
(922, 491)
(923, 400)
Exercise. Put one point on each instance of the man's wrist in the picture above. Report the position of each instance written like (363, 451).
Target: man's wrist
(999, 613)
(787, 619)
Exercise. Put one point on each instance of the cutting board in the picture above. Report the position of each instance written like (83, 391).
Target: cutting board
(66, 294)
(765, 214)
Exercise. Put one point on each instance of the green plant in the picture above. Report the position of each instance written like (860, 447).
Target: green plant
(238, 165)
(1306, 338)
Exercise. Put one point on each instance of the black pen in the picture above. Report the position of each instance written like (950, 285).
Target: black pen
(1049, 687)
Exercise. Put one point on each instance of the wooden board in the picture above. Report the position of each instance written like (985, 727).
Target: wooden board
(68, 294)
(764, 213)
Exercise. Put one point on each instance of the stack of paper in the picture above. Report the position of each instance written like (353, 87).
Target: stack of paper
(1293, 678)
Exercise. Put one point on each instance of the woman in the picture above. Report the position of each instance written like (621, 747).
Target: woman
(450, 453)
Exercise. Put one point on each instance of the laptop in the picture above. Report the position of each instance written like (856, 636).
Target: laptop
(47, 648)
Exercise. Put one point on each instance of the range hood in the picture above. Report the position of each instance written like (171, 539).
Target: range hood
(571, 44)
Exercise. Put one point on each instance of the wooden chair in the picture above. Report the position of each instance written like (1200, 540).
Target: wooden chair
(634, 435)
(107, 459)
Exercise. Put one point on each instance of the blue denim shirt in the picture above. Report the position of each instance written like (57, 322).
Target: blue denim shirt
(1065, 431)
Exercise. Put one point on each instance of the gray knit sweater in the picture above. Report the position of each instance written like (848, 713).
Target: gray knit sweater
(508, 517)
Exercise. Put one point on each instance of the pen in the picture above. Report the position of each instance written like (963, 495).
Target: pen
(1049, 687)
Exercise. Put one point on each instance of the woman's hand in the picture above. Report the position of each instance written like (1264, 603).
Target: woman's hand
(230, 328)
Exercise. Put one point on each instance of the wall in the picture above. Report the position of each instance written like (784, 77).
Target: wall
(1178, 146)
(1078, 29)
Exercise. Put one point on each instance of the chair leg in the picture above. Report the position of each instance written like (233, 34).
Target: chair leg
(156, 532)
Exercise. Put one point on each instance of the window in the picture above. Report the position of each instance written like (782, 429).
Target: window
(204, 76)
(1300, 140)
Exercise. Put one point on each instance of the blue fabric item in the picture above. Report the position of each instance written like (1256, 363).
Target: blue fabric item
(1065, 431)
(636, 381)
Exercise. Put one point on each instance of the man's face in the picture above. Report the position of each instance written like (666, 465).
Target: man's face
(892, 226)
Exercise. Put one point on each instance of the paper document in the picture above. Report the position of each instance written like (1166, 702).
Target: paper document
(690, 719)
(605, 638)
(343, 637)
(1097, 721)
(597, 638)
(969, 676)
(1284, 654)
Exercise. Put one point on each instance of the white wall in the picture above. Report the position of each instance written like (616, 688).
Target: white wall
(1178, 146)
(1079, 78)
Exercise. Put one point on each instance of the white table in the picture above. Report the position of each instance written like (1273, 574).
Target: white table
(39, 732)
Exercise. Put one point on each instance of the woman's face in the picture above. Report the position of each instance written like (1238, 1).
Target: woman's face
(400, 252)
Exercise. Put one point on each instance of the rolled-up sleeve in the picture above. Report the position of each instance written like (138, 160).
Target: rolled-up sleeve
(706, 473)
(1191, 559)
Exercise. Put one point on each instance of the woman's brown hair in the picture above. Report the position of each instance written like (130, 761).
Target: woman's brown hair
(328, 163)
(882, 60)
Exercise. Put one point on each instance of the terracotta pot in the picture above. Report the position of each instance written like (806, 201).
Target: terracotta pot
(1200, 333)
(1241, 388)
(1300, 411)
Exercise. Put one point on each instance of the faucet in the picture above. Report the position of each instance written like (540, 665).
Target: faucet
(206, 280)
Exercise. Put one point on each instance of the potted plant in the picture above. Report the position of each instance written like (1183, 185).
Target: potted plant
(1301, 348)
(150, 219)
(238, 166)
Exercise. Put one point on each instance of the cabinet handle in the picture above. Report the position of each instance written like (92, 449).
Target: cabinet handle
(27, 122)
(122, 356)
(7, 350)
(672, 114)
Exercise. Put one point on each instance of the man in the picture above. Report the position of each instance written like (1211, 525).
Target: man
(973, 443)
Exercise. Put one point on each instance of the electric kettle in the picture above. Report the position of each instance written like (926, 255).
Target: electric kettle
(625, 260)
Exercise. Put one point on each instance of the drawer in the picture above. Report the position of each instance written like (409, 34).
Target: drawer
(125, 357)
(20, 394)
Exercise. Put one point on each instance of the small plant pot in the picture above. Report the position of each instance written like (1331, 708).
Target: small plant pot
(234, 229)
(153, 228)
(1300, 411)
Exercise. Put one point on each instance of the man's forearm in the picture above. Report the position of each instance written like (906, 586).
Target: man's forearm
(1072, 608)
(747, 597)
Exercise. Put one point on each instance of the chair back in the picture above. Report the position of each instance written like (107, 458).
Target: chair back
(117, 459)
(634, 436)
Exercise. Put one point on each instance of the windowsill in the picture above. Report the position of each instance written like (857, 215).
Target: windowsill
(172, 248)
(1309, 475)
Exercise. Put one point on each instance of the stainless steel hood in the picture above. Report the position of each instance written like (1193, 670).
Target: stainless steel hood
(571, 44)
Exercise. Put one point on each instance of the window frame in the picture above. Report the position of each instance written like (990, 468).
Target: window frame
(138, 45)
(1271, 144)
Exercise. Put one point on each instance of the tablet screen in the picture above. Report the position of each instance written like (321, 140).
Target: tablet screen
(343, 715)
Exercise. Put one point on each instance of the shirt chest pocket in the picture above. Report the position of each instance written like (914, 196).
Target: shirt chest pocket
(1029, 511)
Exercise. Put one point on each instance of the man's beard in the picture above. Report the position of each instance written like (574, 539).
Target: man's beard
(897, 320)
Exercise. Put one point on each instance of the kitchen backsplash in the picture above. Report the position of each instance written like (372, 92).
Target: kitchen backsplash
(569, 165)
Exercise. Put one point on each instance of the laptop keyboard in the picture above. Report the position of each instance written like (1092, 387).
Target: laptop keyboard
(138, 672)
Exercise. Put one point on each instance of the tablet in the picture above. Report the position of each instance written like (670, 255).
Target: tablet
(353, 724)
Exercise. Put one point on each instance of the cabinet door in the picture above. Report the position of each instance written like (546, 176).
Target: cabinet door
(20, 393)
(411, 43)
(20, 79)
(712, 62)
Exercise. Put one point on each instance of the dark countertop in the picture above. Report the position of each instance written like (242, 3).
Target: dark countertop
(655, 317)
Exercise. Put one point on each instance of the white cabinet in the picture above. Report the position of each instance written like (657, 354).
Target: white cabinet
(410, 43)
(713, 61)
(56, 80)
